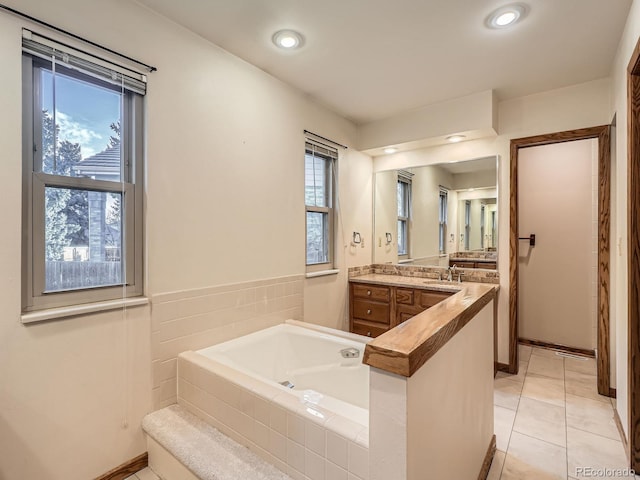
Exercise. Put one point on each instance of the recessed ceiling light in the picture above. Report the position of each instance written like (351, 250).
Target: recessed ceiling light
(455, 138)
(390, 150)
(507, 15)
(287, 39)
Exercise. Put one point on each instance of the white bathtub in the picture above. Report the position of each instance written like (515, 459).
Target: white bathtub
(309, 360)
(236, 387)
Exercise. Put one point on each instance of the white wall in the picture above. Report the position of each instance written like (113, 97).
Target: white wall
(619, 273)
(224, 166)
(577, 106)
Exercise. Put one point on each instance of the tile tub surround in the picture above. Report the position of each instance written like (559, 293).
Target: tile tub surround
(475, 275)
(194, 319)
(305, 441)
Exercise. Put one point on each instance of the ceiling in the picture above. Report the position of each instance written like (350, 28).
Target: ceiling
(374, 59)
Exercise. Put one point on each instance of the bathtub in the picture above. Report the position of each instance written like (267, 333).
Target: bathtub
(286, 392)
(304, 362)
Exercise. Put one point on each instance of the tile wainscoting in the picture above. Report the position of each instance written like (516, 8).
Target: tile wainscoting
(198, 318)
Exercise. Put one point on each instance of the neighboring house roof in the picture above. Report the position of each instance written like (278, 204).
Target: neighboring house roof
(103, 164)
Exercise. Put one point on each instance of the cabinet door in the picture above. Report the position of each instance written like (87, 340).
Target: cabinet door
(404, 313)
(429, 299)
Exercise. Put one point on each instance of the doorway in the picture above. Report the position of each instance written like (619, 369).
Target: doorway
(602, 134)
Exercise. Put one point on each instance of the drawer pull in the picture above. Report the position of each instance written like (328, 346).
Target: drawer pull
(368, 334)
(369, 292)
(368, 312)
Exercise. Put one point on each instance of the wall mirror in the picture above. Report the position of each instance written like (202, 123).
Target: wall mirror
(438, 214)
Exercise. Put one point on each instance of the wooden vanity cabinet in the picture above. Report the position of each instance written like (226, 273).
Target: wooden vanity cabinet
(374, 309)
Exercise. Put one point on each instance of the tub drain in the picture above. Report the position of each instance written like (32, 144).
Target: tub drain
(287, 384)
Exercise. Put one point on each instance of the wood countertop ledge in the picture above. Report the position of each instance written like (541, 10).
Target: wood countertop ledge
(405, 348)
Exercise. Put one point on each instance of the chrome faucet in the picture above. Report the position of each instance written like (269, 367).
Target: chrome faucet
(450, 272)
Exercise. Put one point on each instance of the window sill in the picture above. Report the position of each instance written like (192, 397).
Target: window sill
(322, 273)
(73, 310)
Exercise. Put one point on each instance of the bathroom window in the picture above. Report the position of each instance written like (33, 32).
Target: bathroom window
(442, 220)
(319, 183)
(467, 223)
(404, 213)
(82, 180)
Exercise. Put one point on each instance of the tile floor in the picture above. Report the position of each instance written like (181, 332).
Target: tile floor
(145, 474)
(550, 422)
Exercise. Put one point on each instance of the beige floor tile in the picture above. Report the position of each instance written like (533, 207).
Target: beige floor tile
(524, 352)
(546, 366)
(586, 450)
(502, 425)
(592, 416)
(147, 474)
(530, 458)
(582, 365)
(541, 420)
(519, 377)
(506, 393)
(496, 466)
(545, 389)
(583, 385)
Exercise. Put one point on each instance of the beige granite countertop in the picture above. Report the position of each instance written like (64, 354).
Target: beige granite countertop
(413, 282)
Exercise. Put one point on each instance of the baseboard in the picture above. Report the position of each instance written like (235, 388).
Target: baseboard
(583, 352)
(502, 367)
(127, 468)
(613, 393)
(623, 437)
(488, 458)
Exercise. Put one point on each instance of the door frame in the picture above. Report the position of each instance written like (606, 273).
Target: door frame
(633, 254)
(602, 133)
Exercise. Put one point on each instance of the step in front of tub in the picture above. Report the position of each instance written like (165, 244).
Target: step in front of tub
(199, 451)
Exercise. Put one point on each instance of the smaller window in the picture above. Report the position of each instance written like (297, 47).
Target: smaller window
(467, 223)
(442, 227)
(404, 214)
(483, 240)
(319, 168)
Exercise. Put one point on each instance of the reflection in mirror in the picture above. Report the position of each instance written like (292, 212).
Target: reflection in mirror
(438, 214)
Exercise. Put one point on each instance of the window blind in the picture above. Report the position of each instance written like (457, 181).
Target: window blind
(316, 148)
(48, 49)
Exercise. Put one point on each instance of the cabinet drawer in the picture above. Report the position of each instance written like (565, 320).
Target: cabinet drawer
(367, 330)
(371, 292)
(404, 296)
(371, 311)
(429, 299)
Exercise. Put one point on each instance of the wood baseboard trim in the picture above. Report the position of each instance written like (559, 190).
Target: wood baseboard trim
(127, 468)
(583, 352)
(502, 367)
(613, 393)
(623, 437)
(488, 458)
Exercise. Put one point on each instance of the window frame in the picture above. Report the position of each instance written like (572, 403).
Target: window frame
(467, 224)
(443, 214)
(35, 181)
(405, 221)
(327, 211)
